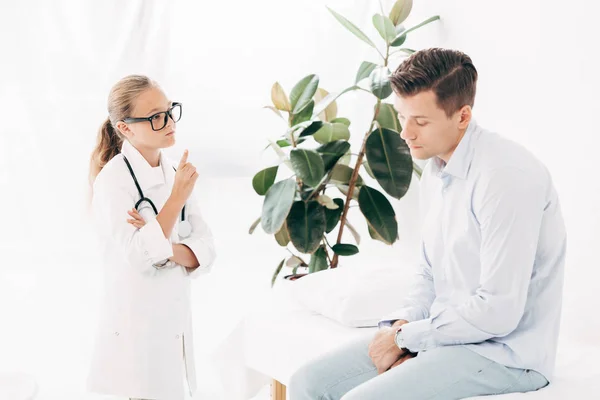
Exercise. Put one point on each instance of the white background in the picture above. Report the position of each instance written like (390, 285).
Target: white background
(539, 85)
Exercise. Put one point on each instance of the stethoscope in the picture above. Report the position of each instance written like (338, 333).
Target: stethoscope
(184, 229)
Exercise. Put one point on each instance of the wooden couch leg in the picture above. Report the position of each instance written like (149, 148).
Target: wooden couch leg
(277, 390)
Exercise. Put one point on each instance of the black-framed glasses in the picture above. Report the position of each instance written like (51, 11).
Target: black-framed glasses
(159, 120)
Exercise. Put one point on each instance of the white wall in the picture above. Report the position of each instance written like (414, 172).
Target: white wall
(538, 85)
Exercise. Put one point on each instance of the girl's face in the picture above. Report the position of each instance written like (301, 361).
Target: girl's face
(151, 103)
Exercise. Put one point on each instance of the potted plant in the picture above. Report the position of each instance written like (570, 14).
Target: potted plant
(303, 209)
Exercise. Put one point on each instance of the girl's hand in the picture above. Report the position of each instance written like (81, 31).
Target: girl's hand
(137, 219)
(185, 179)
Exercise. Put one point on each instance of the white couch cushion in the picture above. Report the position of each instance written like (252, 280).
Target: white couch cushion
(355, 296)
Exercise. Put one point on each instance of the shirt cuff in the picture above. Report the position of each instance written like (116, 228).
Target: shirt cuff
(155, 246)
(418, 335)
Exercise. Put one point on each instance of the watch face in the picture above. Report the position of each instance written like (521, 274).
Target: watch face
(399, 340)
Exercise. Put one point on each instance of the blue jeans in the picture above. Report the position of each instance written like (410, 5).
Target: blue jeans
(443, 373)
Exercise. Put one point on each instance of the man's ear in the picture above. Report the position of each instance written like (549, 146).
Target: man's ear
(464, 117)
(124, 129)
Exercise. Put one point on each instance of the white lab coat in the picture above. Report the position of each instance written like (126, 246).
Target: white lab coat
(144, 344)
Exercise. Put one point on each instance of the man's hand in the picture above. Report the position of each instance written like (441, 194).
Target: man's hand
(383, 350)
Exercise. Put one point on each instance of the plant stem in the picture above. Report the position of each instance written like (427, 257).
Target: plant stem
(352, 182)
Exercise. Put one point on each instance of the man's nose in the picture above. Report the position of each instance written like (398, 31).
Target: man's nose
(407, 133)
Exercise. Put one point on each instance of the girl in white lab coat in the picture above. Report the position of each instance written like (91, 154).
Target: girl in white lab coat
(143, 346)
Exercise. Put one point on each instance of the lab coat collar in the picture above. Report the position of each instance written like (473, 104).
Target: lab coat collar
(141, 167)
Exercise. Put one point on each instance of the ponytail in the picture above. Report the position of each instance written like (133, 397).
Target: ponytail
(108, 145)
(120, 103)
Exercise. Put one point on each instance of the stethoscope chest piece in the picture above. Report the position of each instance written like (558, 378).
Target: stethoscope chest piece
(184, 229)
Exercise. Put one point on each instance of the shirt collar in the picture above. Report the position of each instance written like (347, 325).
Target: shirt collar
(145, 174)
(460, 161)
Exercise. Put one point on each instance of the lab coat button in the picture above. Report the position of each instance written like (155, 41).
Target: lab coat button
(116, 333)
(145, 253)
(177, 337)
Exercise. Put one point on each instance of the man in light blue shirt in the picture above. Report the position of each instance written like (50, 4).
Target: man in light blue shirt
(483, 314)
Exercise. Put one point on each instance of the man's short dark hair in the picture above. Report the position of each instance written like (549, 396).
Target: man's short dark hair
(450, 74)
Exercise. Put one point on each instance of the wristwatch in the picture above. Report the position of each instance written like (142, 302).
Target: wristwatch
(163, 264)
(399, 339)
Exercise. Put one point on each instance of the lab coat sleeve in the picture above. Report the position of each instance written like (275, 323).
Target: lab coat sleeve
(201, 240)
(508, 204)
(142, 247)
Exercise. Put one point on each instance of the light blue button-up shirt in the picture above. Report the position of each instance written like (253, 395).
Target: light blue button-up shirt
(492, 256)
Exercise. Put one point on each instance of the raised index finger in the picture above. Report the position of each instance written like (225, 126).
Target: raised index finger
(183, 159)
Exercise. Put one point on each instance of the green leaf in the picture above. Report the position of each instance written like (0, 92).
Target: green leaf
(374, 235)
(331, 152)
(380, 82)
(284, 142)
(331, 111)
(344, 121)
(303, 93)
(352, 28)
(318, 261)
(379, 213)
(331, 132)
(368, 168)
(308, 165)
(342, 249)
(346, 158)
(312, 128)
(390, 160)
(364, 71)
(263, 180)
(280, 153)
(341, 174)
(277, 205)
(294, 261)
(400, 11)
(303, 116)
(331, 97)
(344, 190)
(283, 236)
(277, 271)
(306, 224)
(399, 39)
(332, 217)
(388, 117)
(279, 98)
(253, 226)
(385, 27)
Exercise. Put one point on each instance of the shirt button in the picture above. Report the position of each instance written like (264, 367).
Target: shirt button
(146, 253)
(177, 337)
(116, 333)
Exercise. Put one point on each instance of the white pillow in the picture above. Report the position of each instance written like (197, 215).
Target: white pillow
(357, 296)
